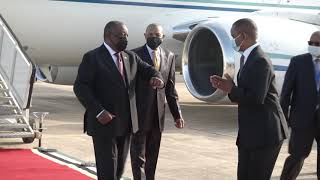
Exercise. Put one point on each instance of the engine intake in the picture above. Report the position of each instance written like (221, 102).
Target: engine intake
(204, 55)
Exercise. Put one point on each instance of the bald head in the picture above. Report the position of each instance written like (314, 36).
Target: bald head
(246, 26)
(314, 44)
(245, 33)
(154, 26)
(315, 37)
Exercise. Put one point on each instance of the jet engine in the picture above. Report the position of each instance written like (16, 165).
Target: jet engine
(208, 51)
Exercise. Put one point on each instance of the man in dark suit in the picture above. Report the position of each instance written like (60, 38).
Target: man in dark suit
(151, 105)
(105, 86)
(262, 125)
(300, 91)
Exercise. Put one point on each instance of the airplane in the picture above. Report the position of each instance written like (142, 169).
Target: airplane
(56, 33)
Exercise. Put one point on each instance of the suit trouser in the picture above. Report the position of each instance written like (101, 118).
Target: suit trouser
(144, 153)
(257, 164)
(110, 154)
(300, 146)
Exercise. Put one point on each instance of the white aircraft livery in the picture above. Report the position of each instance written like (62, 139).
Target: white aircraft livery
(56, 33)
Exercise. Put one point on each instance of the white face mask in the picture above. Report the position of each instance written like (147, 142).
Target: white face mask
(234, 44)
(314, 50)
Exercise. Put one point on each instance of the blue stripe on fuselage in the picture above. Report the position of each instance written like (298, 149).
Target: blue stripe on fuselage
(177, 6)
(280, 68)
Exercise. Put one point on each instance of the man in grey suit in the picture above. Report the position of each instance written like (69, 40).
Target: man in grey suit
(105, 86)
(151, 105)
(301, 92)
(262, 125)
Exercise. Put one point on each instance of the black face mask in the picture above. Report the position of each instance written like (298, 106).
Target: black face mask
(122, 44)
(154, 42)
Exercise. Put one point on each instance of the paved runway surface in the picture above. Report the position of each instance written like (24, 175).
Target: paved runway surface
(204, 150)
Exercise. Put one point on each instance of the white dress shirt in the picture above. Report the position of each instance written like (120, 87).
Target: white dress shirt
(112, 53)
(247, 52)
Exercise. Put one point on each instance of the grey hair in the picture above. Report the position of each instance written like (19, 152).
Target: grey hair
(152, 26)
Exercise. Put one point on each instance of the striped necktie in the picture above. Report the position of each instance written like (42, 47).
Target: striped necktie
(155, 59)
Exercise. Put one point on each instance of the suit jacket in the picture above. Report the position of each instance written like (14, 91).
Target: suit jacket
(300, 93)
(147, 96)
(99, 86)
(261, 120)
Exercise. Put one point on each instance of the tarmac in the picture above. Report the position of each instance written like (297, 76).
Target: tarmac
(204, 150)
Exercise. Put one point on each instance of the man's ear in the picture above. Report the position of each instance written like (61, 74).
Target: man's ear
(245, 36)
(107, 36)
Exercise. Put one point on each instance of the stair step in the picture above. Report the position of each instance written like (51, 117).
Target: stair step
(7, 106)
(3, 90)
(5, 98)
(16, 134)
(7, 126)
(10, 116)
(8, 112)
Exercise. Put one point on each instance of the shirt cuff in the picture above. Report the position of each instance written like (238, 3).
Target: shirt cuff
(99, 113)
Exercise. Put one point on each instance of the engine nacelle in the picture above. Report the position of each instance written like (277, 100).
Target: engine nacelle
(64, 75)
(208, 51)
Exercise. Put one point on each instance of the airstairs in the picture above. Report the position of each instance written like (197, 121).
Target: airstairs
(17, 75)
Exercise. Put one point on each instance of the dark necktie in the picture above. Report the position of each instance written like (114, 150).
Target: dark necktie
(120, 65)
(317, 72)
(241, 64)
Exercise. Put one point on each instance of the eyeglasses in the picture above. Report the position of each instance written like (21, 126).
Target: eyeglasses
(311, 43)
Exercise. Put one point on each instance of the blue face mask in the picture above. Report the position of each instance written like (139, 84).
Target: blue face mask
(235, 46)
(314, 51)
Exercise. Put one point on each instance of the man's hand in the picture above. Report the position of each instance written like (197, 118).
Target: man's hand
(179, 123)
(225, 85)
(105, 117)
(156, 82)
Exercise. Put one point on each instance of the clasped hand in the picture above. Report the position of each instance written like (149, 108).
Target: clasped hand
(225, 85)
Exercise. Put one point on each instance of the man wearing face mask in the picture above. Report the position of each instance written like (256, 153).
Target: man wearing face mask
(301, 92)
(105, 86)
(262, 125)
(145, 143)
